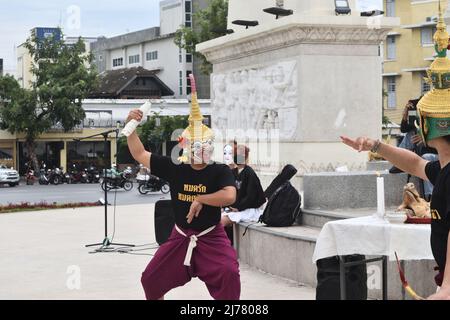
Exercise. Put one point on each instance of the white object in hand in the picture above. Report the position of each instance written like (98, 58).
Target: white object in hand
(380, 197)
(132, 124)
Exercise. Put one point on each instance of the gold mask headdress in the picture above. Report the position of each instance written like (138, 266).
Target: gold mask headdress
(434, 107)
(197, 137)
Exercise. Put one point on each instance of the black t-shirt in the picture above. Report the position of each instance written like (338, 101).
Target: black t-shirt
(250, 192)
(186, 183)
(440, 210)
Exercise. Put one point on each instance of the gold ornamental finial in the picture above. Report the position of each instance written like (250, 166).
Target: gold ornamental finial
(195, 114)
(441, 36)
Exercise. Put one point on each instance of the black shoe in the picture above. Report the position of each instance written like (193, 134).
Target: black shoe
(395, 170)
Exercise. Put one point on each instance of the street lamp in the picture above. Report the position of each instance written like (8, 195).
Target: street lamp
(342, 7)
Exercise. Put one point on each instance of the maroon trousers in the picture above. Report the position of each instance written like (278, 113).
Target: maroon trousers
(214, 261)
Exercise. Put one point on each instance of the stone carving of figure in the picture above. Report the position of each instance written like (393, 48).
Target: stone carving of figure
(271, 120)
(253, 100)
(259, 98)
(243, 100)
(219, 102)
(286, 98)
(230, 100)
(267, 94)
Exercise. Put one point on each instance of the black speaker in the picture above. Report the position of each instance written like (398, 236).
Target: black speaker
(328, 279)
(164, 220)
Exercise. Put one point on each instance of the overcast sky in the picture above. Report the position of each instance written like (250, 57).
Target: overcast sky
(97, 17)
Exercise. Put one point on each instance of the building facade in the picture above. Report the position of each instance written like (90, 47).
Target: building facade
(24, 60)
(61, 149)
(154, 49)
(407, 53)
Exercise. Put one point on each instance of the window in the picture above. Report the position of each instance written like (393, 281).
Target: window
(133, 59)
(425, 86)
(427, 35)
(153, 55)
(390, 48)
(391, 90)
(100, 58)
(188, 82)
(117, 62)
(181, 83)
(188, 6)
(189, 58)
(390, 8)
(188, 14)
(180, 56)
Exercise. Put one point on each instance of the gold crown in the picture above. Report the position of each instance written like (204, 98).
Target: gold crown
(196, 131)
(436, 103)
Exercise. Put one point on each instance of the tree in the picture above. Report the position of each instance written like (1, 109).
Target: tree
(154, 135)
(62, 79)
(209, 23)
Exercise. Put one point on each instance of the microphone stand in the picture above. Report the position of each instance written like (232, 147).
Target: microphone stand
(106, 242)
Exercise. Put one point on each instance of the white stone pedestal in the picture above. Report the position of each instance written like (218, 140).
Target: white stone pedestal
(311, 78)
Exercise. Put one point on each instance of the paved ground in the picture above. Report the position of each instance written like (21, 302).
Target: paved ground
(65, 193)
(43, 257)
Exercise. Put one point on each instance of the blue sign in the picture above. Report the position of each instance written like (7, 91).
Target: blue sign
(44, 33)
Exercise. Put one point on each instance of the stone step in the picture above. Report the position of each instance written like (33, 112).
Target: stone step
(378, 165)
(317, 218)
(334, 190)
(287, 253)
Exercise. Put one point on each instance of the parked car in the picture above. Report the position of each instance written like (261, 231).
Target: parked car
(9, 176)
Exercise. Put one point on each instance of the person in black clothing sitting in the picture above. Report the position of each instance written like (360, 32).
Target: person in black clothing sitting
(250, 196)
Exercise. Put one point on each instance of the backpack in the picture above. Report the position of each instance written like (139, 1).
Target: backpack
(283, 207)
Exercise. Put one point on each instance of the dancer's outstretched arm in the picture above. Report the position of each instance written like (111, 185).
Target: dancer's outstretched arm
(401, 158)
(135, 145)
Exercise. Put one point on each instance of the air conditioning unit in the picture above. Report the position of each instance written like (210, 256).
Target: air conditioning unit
(432, 19)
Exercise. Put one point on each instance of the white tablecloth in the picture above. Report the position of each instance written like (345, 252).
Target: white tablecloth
(374, 236)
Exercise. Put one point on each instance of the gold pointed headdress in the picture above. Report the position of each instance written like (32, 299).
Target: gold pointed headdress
(196, 132)
(434, 107)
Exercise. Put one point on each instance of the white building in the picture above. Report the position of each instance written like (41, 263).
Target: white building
(24, 60)
(154, 49)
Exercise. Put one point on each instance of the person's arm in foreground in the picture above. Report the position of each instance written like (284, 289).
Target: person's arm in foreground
(401, 158)
(221, 198)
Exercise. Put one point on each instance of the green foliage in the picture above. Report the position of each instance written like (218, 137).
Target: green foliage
(385, 121)
(151, 134)
(62, 78)
(18, 109)
(209, 23)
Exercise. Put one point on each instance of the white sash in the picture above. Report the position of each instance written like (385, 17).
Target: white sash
(192, 243)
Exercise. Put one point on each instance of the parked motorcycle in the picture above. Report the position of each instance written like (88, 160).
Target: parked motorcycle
(56, 176)
(93, 176)
(76, 176)
(30, 177)
(117, 180)
(43, 175)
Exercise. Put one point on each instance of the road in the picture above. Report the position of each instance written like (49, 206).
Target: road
(66, 193)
